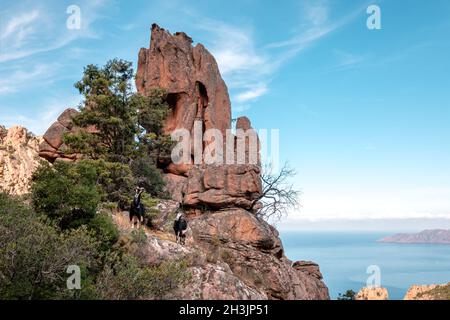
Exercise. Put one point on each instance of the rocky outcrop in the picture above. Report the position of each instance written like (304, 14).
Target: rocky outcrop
(241, 250)
(231, 255)
(428, 292)
(308, 267)
(254, 253)
(52, 146)
(18, 159)
(191, 77)
(372, 293)
(197, 93)
(417, 292)
(216, 186)
(196, 90)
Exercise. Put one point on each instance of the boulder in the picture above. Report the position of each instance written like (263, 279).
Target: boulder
(226, 186)
(308, 267)
(233, 226)
(52, 147)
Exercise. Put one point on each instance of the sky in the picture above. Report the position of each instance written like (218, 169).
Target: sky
(362, 114)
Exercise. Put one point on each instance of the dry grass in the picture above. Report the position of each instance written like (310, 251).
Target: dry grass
(122, 220)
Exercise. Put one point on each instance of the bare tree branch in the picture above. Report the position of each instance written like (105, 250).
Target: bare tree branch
(278, 194)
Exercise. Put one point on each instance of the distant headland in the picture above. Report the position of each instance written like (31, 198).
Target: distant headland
(435, 236)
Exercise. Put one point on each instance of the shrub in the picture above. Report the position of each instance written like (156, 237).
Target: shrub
(166, 277)
(147, 176)
(348, 295)
(66, 193)
(105, 230)
(115, 182)
(126, 279)
(34, 256)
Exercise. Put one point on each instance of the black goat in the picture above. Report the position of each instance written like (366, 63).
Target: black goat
(137, 209)
(180, 228)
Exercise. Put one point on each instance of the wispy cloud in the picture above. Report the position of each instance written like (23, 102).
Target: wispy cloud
(348, 60)
(252, 94)
(16, 78)
(20, 26)
(34, 28)
(39, 122)
(249, 67)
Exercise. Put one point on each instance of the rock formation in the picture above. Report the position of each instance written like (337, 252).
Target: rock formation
(374, 293)
(197, 93)
(428, 292)
(247, 253)
(191, 77)
(52, 146)
(18, 159)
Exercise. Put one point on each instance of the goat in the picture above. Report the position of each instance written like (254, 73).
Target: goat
(137, 209)
(180, 228)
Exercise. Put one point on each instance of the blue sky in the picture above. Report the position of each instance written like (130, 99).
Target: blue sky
(363, 114)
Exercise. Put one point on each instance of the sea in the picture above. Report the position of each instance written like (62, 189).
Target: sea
(348, 259)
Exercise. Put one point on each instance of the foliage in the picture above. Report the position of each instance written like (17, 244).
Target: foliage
(108, 112)
(153, 110)
(348, 295)
(126, 279)
(115, 182)
(34, 256)
(105, 230)
(166, 277)
(147, 176)
(122, 131)
(151, 210)
(121, 142)
(66, 192)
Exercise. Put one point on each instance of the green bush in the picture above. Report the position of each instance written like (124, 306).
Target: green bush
(348, 295)
(147, 176)
(34, 256)
(115, 182)
(166, 277)
(105, 229)
(126, 279)
(66, 192)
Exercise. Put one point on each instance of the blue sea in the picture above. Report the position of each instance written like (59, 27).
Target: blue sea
(344, 258)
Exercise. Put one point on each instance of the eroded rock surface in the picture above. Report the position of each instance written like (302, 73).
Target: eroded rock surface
(191, 77)
(429, 292)
(375, 293)
(52, 147)
(18, 159)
